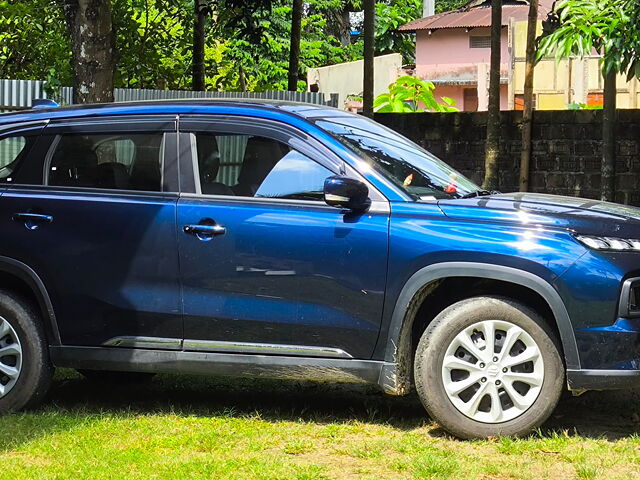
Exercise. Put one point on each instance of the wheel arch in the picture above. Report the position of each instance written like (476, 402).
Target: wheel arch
(18, 276)
(395, 377)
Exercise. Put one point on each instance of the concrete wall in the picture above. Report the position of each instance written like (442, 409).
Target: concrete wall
(346, 78)
(448, 48)
(445, 58)
(456, 92)
(567, 148)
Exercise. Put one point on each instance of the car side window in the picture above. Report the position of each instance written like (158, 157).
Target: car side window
(12, 150)
(108, 161)
(255, 166)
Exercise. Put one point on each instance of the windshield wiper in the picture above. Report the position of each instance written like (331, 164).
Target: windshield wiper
(480, 193)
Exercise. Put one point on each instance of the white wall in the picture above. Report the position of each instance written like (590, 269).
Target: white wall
(346, 78)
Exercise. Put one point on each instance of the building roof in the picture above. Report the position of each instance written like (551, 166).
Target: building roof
(477, 14)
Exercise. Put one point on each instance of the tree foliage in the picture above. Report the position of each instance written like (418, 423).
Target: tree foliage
(609, 27)
(390, 17)
(247, 43)
(410, 95)
(34, 41)
(447, 5)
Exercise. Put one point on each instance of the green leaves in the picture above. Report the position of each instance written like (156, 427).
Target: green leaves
(609, 27)
(409, 95)
(33, 41)
(390, 16)
(247, 43)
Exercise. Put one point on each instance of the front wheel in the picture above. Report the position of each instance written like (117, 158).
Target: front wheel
(488, 366)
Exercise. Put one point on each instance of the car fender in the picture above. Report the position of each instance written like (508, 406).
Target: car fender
(35, 283)
(395, 376)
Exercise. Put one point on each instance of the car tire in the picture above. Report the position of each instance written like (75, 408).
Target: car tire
(25, 368)
(109, 376)
(475, 390)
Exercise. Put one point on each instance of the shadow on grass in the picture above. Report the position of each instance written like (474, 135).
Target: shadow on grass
(74, 401)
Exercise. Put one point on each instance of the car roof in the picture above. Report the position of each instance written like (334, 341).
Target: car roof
(257, 107)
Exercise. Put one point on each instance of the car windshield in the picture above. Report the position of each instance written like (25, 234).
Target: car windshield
(419, 173)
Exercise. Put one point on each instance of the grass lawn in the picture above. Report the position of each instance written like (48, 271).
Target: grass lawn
(211, 428)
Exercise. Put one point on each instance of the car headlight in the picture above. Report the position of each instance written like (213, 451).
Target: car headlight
(609, 243)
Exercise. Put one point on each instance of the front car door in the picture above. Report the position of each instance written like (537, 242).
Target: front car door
(92, 210)
(266, 266)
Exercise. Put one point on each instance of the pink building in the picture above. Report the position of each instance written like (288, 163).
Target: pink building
(453, 50)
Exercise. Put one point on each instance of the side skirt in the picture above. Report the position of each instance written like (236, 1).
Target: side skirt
(603, 379)
(332, 370)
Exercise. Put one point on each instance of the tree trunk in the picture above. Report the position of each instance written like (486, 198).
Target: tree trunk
(492, 149)
(608, 180)
(92, 44)
(527, 115)
(344, 27)
(242, 79)
(369, 55)
(294, 50)
(200, 12)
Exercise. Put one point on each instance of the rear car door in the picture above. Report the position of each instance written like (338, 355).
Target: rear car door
(92, 210)
(266, 266)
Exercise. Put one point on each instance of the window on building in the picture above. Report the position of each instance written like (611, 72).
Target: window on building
(595, 99)
(519, 102)
(470, 100)
(480, 41)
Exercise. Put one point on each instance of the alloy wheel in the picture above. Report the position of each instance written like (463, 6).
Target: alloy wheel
(493, 371)
(10, 357)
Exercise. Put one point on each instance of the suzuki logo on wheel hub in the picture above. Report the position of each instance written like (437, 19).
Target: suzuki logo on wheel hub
(493, 370)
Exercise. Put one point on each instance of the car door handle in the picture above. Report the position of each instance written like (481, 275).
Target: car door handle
(205, 232)
(32, 220)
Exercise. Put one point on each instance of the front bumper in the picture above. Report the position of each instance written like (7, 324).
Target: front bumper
(609, 357)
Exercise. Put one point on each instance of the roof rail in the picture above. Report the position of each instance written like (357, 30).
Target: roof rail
(43, 103)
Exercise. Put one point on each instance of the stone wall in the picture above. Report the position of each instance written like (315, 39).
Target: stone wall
(566, 156)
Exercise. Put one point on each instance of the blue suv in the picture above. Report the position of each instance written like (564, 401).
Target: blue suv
(292, 241)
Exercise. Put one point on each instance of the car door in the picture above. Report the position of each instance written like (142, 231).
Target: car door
(266, 265)
(92, 210)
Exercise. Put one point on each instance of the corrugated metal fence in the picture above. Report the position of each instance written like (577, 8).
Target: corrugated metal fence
(19, 94)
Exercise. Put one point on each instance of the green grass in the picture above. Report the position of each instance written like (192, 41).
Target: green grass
(207, 428)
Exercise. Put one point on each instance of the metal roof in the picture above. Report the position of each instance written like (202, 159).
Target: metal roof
(475, 16)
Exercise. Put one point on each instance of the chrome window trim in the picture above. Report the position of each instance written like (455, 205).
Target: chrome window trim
(10, 127)
(376, 207)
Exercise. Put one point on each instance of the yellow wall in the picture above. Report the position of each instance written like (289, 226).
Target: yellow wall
(551, 101)
(556, 84)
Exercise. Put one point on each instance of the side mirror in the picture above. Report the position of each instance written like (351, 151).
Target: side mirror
(345, 192)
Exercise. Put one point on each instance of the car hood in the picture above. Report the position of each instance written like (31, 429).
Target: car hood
(581, 215)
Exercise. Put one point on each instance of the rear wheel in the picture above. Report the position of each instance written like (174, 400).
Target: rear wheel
(488, 366)
(25, 368)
